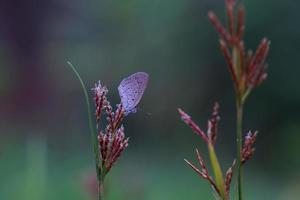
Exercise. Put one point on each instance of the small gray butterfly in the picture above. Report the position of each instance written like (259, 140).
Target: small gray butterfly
(131, 90)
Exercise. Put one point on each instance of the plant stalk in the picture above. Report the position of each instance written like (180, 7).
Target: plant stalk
(239, 118)
(100, 190)
(92, 130)
(239, 147)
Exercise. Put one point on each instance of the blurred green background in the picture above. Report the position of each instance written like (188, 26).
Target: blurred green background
(45, 150)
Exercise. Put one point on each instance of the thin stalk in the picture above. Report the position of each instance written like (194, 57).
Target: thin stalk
(239, 112)
(92, 130)
(100, 190)
(239, 147)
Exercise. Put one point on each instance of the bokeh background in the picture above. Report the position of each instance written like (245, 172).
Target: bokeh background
(45, 150)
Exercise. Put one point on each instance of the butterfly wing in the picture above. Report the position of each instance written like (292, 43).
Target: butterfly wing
(131, 90)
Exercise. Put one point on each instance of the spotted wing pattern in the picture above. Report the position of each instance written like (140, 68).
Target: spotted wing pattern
(131, 90)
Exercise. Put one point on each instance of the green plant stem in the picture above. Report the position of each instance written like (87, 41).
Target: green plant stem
(239, 147)
(100, 190)
(240, 98)
(91, 127)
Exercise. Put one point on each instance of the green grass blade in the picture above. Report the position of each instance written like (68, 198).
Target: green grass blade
(92, 130)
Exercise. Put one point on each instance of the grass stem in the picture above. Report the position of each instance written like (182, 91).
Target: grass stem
(92, 130)
(239, 148)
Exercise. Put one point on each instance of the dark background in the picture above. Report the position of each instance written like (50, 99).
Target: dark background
(45, 150)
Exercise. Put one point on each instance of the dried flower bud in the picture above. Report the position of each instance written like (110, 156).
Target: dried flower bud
(229, 175)
(100, 93)
(111, 146)
(256, 70)
(112, 141)
(247, 71)
(212, 129)
(240, 22)
(248, 150)
(219, 27)
(188, 120)
(228, 59)
(229, 8)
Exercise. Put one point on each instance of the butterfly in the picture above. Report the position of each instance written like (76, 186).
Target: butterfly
(131, 90)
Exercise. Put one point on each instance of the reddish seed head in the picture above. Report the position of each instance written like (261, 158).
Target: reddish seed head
(256, 69)
(219, 27)
(248, 150)
(247, 71)
(100, 93)
(212, 129)
(240, 22)
(211, 134)
(229, 175)
(188, 120)
(210, 137)
(112, 141)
